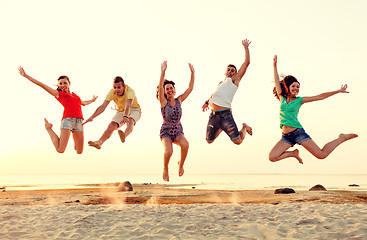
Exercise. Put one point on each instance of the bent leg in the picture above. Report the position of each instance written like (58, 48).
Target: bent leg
(184, 144)
(279, 152)
(59, 143)
(78, 142)
(245, 129)
(129, 128)
(106, 135)
(312, 147)
(168, 151)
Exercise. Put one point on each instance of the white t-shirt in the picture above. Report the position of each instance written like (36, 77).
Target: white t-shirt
(224, 93)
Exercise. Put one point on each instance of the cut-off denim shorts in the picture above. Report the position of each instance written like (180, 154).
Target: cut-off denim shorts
(221, 120)
(73, 124)
(297, 136)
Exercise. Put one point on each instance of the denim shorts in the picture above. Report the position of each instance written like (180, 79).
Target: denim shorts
(73, 124)
(221, 120)
(297, 136)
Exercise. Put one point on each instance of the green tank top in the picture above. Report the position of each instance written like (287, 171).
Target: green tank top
(289, 112)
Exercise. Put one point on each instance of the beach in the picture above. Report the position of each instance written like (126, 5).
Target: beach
(158, 211)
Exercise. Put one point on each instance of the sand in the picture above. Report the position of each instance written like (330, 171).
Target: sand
(160, 212)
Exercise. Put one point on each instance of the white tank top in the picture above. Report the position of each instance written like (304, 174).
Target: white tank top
(224, 93)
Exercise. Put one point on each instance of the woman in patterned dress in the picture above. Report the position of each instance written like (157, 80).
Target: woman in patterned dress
(171, 130)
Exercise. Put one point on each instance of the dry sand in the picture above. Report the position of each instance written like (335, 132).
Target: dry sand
(160, 212)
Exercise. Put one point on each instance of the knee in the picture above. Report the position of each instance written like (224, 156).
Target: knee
(237, 142)
(168, 152)
(209, 141)
(272, 158)
(185, 145)
(321, 156)
(60, 150)
(131, 122)
(112, 126)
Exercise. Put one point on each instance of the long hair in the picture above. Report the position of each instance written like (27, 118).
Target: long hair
(62, 77)
(284, 85)
(164, 84)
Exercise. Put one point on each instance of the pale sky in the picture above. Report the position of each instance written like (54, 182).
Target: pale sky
(321, 43)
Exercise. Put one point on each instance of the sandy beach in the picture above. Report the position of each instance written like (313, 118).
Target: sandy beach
(162, 212)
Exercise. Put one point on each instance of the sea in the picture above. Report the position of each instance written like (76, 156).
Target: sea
(351, 182)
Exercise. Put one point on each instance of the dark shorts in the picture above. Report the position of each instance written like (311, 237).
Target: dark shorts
(297, 136)
(221, 120)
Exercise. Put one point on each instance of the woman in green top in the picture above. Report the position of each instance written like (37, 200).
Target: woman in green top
(286, 92)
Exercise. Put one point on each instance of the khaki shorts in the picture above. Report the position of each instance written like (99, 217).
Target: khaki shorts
(135, 114)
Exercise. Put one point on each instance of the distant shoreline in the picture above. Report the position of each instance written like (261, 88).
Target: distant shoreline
(168, 194)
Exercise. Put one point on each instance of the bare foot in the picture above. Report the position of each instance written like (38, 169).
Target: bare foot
(247, 128)
(347, 137)
(122, 135)
(165, 175)
(180, 170)
(94, 144)
(47, 124)
(296, 155)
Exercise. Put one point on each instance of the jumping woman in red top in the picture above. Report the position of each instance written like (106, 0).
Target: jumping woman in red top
(72, 116)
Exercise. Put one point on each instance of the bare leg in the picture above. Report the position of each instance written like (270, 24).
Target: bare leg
(279, 152)
(168, 151)
(245, 129)
(106, 135)
(59, 143)
(78, 141)
(312, 147)
(129, 128)
(184, 144)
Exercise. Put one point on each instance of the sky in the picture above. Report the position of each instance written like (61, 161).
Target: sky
(321, 43)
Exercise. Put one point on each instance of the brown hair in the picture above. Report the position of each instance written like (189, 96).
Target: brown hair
(119, 79)
(62, 77)
(284, 85)
(164, 84)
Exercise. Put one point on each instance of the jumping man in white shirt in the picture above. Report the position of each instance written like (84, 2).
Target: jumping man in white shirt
(221, 118)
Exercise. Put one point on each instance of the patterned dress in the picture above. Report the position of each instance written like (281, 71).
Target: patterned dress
(171, 126)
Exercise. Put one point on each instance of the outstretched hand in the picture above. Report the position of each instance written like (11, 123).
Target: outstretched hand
(191, 68)
(164, 66)
(246, 43)
(21, 71)
(87, 121)
(343, 89)
(275, 60)
(94, 98)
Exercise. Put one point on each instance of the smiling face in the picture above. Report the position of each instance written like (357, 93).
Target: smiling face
(169, 90)
(294, 89)
(64, 84)
(230, 72)
(119, 88)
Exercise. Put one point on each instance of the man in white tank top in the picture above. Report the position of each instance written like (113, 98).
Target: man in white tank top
(221, 118)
